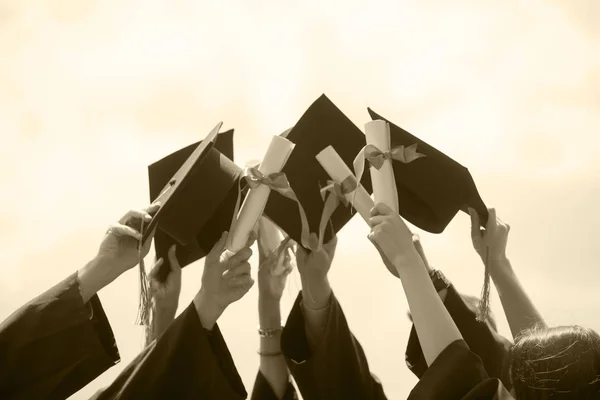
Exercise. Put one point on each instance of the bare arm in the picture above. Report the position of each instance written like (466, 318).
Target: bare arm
(392, 238)
(272, 362)
(520, 311)
(274, 267)
(435, 328)
(490, 244)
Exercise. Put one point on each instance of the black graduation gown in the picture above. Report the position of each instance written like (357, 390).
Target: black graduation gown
(263, 391)
(481, 338)
(55, 345)
(338, 368)
(458, 374)
(186, 362)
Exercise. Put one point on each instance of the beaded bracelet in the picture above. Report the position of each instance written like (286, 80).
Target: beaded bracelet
(266, 333)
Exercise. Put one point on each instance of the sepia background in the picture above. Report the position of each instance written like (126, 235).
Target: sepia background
(93, 91)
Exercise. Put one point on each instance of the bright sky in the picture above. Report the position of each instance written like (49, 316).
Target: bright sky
(92, 91)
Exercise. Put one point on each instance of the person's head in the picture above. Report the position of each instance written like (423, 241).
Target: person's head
(556, 363)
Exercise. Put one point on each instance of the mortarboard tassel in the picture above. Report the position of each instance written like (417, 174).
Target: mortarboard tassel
(484, 302)
(145, 303)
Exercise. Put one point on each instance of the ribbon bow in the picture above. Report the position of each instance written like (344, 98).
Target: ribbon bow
(275, 259)
(332, 194)
(399, 153)
(376, 157)
(278, 182)
(275, 181)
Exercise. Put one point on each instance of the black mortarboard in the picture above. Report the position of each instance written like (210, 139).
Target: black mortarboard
(202, 198)
(322, 125)
(431, 189)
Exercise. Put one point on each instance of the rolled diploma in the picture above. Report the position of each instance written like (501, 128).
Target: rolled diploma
(277, 155)
(333, 164)
(384, 183)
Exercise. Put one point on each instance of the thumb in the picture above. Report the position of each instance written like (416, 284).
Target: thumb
(175, 267)
(330, 247)
(154, 272)
(301, 256)
(475, 232)
(214, 256)
(491, 223)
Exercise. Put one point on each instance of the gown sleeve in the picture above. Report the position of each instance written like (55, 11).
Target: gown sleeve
(186, 362)
(337, 368)
(263, 391)
(481, 337)
(55, 345)
(452, 375)
(490, 389)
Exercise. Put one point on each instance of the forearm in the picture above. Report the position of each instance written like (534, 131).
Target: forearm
(433, 324)
(518, 307)
(272, 362)
(316, 298)
(316, 292)
(161, 321)
(208, 312)
(95, 275)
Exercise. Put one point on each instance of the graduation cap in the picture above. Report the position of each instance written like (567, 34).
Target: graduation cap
(432, 189)
(322, 125)
(198, 189)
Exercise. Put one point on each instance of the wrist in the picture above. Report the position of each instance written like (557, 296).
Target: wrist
(161, 322)
(316, 294)
(208, 310)
(498, 260)
(95, 275)
(269, 314)
(410, 259)
(268, 302)
(166, 311)
(500, 267)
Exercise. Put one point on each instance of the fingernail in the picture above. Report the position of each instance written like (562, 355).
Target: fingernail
(147, 217)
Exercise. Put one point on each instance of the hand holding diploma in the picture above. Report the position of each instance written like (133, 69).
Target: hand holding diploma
(273, 245)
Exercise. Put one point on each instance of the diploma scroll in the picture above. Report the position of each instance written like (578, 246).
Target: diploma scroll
(384, 182)
(339, 172)
(275, 158)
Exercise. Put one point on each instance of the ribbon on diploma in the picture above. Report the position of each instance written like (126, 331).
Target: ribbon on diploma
(376, 157)
(275, 260)
(332, 194)
(279, 183)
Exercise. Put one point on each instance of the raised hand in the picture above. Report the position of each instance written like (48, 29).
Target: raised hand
(118, 252)
(273, 270)
(119, 248)
(392, 238)
(226, 279)
(165, 295)
(493, 238)
(316, 264)
(313, 267)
